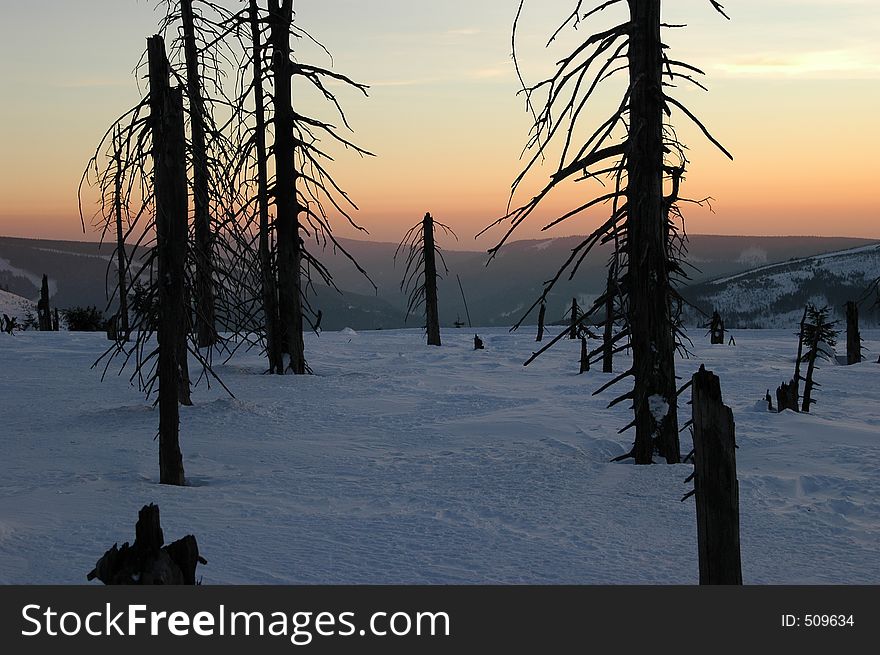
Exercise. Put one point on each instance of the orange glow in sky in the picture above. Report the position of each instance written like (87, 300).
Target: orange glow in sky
(794, 95)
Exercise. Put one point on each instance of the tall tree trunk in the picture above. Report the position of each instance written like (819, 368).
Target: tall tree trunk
(853, 338)
(608, 336)
(541, 314)
(585, 356)
(432, 315)
(572, 330)
(287, 208)
(204, 286)
(170, 188)
(270, 293)
(121, 268)
(654, 393)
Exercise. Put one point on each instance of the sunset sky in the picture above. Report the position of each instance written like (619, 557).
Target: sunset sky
(794, 95)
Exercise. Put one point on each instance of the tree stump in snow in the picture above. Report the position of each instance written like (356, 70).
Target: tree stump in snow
(787, 396)
(585, 356)
(147, 561)
(715, 484)
(478, 343)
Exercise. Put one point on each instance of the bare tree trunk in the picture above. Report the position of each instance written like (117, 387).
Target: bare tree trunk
(585, 356)
(287, 208)
(169, 165)
(204, 285)
(44, 314)
(121, 268)
(572, 330)
(654, 393)
(608, 336)
(432, 316)
(800, 354)
(715, 483)
(541, 314)
(808, 381)
(853, 338)
(274, 351)
(716, 329)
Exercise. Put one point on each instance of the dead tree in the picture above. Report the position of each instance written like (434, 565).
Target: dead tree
(542, 312)
(121, 329)
(819, 338)
(796, 380)
(287, 225)
(148, 561)
(44, 313)
(716, 329)
(715, 483)
(478, 343)
(266, 124)
(271, 317)
(203, 245)
(853, 338)
(608, 331)
(575, 318)
(420, 274)
(637, 153)
(166, 119)
(585, 356)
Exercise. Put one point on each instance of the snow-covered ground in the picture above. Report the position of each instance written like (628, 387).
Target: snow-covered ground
(400, 463)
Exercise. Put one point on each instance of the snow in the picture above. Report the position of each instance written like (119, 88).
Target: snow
(658, 407)
(15, 306)
(402, 463)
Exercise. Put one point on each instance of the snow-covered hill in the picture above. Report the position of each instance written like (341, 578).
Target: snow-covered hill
(15, 306)
(774, 295)
(402, 463)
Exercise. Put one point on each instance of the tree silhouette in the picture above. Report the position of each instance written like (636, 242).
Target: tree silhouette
(420, 272)
(634, 153)
(819, 338)
(270, 133)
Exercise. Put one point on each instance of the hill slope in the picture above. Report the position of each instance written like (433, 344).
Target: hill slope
(774, 295)
(497, 294)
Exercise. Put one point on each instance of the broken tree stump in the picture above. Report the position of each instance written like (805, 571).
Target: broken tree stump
(478, 343)
(575, 315)
(715, 483)
(787, 396)
(585, 356)
(147, 561)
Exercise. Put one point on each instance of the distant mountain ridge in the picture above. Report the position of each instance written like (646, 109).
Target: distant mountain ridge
(497, 294)
(774, 295)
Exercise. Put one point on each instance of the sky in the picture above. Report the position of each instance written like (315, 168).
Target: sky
(794, 94)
